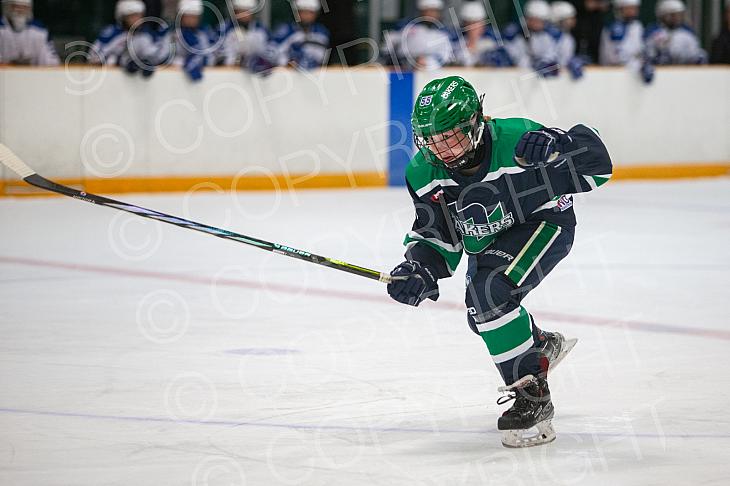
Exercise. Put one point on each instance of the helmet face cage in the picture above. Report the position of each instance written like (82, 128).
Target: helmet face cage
(437, 148)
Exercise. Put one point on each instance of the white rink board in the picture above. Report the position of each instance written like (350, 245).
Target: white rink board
(138, 353)
(81, 123)
(682, 118)
(331, 121)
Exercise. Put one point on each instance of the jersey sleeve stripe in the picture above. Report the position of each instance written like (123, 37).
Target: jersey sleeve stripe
(412, 235)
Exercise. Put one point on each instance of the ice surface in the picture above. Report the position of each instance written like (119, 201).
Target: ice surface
(138, 353)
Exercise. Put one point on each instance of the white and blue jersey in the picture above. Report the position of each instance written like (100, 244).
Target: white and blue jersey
(564, 43)
(487, 51)
(115, 47)
(185, 42)
(307, 46)
(242, 44)
(622, 43)
(192, 49)
(539, 51)
(29, 46)
(424, 42)
(673, 46)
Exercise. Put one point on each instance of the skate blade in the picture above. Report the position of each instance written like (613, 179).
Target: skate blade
(515, 439)
(568, 346)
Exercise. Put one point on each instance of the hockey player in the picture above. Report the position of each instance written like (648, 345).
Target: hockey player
(622, 42)
(671, 41)
(304, 43)
(245, 40)
(193, 46)
(139, 52)
(425, 42)
(477, 44)
(23, 40)
(500, 191)
(538, 48)
(562, 15)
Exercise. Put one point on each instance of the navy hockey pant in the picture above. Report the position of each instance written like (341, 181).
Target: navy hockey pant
(497, 281)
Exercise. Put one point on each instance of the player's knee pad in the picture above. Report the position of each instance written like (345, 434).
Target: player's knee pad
(490, 295)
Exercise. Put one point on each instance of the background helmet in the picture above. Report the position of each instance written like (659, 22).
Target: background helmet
(666, 7)
(311, 5)
(191, 7)
(626, 3)
(128, 7)
(561, 10)
(538, 9)
(444, 104)
(244, 4)
(472, 12)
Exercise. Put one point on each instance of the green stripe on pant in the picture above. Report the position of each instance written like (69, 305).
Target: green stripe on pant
(534, 249)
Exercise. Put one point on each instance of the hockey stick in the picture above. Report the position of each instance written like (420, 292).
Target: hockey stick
(12, 162)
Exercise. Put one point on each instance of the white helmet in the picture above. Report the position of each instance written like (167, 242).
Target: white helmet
(244, 4)
(626, 3)
(191, 7)
(538, 9)
(561, 10)
(430, 4)
(27, 3)
(128, 7)
(473, 12)
(666, 7)
(311, 5)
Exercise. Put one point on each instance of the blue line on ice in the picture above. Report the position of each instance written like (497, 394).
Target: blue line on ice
(433, 430)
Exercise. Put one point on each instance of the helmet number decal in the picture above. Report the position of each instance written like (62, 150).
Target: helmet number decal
(426, 100)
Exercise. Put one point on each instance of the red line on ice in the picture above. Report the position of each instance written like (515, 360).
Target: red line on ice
(361, 296)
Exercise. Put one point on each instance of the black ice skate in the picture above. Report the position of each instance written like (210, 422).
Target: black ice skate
(553, 348)
(532, 408)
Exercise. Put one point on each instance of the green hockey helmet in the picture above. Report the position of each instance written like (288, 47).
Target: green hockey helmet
(448, 123)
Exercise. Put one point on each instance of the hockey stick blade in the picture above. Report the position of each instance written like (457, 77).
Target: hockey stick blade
(13, 162)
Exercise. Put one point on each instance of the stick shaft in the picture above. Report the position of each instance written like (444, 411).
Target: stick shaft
(28, 175)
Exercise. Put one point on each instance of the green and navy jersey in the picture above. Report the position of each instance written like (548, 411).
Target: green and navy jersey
(500, 195)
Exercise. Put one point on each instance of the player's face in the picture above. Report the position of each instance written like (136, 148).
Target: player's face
(474, 26)
(244, 16)
(19, 9)
(307, 16)
(190, 21)
(449, 146)
(131, 19)
(674, 19)
(629, 12)
(567, 24)
(535, 24)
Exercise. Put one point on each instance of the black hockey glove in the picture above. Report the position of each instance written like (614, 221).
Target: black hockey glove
(540, 147)
(419, 283)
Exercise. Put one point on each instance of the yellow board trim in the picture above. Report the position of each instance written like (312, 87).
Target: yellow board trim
(120, 185)
(674, 171)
